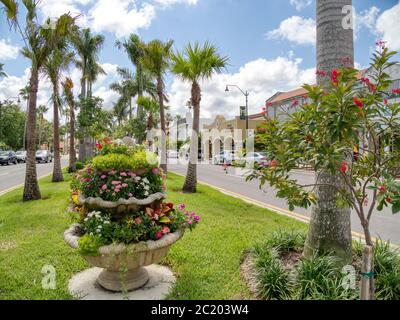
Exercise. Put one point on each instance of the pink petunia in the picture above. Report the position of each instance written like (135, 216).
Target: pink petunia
(165, 230)
(123, 174)
(104, 187)
(103, 176)
(114, 183)
(130, 195)
(155, 170)
(159, 235)
(190, 222)
(124, 185)
(181, 207)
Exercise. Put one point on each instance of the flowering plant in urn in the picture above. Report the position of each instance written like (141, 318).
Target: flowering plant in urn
(124, 222)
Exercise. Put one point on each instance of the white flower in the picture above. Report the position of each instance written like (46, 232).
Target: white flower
(106, 222)
(145, 180)
(138, 178)
(147, 188)
(91, 233)
(98, 230)
(146, 193)
(86, 219)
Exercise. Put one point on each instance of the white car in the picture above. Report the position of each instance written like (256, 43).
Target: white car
(21, 156)
(257, 157)
(225, 157)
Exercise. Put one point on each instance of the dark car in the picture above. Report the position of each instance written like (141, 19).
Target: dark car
(43, 156)
(8, 157)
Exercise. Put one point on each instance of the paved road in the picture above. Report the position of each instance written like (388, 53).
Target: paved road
(383, 224)
(14, 175)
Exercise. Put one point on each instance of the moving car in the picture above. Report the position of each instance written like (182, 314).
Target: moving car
(43, 156)
(257, 157)
(225, 157)
(21, 156)
(8, 157)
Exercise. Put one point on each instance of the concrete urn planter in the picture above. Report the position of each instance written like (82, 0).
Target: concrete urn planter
(124, 264)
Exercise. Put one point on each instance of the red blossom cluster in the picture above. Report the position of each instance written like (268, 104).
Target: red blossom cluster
(358, 103)
(334, 77)
(295, 103)
(368, 83)
(396, 91)
(344, 167)
(320, 73)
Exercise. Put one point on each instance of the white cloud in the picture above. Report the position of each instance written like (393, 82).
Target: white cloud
(301, 4)
(167, 3)
(295, 29)
(366, 19)
(388, 26)
(261, 77)
(7, 50)
(120, 16)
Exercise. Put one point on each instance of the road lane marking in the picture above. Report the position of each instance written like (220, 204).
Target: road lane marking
(300, 217)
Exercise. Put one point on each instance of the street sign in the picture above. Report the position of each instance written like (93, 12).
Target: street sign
(242, 113)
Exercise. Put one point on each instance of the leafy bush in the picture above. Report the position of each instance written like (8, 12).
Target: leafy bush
(273, 279)
(89, 244)
(79, 165)
(287, 240)
(117, 161)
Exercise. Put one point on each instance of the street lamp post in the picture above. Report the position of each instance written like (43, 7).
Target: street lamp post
(246, 94)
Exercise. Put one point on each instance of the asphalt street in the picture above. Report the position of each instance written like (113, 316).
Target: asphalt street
(14, 175)
(384, 224)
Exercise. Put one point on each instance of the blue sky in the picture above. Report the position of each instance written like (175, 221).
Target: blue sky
(270, 43)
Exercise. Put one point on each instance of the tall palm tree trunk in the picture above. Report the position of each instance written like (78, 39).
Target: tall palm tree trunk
(57, 172)
(31, 186)
(82, 148)
(330, 227)
(72, 153)
(160, 92)
(191, 175)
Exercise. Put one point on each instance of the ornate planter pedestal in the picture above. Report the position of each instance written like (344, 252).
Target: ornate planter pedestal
(123, 265)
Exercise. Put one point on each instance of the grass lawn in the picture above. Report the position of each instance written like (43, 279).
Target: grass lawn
(205, 261)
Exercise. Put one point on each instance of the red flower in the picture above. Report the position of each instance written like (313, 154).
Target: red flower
(273, 164)
(334, 77)
(396, 91)
(99, 146)
(389, 200)
(344, 167)
(295, 103)
(269, 104)
(382, 189)
(320, 73)
(358, 103)
(159, 235)
(385, 101)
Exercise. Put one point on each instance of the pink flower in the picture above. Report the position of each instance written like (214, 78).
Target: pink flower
(159, 235)
(123, 174)
(155, 170)
(132, 174)
(103, 176)
(130, 195)
(165, 230)
(381, 44)
(190, 222)
(104, 187)
(138, 220)
(117, 190)
(114, 183)
(124, 185)
(181, 207)
(197, 218)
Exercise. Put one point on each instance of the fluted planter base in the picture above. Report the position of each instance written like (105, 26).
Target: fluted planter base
(123, 281)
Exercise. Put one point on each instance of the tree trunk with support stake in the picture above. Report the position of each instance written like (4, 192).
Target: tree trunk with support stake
(367, 274)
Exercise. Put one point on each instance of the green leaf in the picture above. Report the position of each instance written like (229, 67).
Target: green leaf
(396, 208)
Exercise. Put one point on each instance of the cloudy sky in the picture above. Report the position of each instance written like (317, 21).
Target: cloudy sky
(270, 43)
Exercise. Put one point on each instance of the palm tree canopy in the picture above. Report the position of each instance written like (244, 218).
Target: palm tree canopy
(157, 57)
(134, 47)
(149, 104)
(2, 73)
(198, 62)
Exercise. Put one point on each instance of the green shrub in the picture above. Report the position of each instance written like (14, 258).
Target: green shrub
(387, 271)
(273, 279)
(287, 240)
(79, 165)
(90, 244)
(116, 161)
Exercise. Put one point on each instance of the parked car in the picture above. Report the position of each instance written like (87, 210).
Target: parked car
(257, 157)
(225, 157)
(43, 156)
(8, 157)
(21, 156)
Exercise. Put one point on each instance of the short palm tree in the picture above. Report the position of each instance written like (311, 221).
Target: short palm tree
(39, 42)
(58, 61)
(152, 107)
(157, 60)
(2, 73)
(68, 85)
(197, 62)
(41, 110)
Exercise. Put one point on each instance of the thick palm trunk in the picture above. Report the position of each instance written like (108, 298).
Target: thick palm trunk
(57, 172)
(163, 140)
(190, 185)
(82, 148)
(31, 186)
(330, 227)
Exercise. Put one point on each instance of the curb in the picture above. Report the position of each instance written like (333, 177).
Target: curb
(280, 211)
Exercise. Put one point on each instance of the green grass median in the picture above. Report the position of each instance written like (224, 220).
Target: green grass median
(206, 261)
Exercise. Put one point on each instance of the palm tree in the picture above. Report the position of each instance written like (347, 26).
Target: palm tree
(2, 73)
(196, 63)
(69, 98)
(39, 42)
(120, 111)
(87, 47)
(330, 228)
(41, 110)
(152, 107)
(134, 47)
(58, 61)
(156, 60)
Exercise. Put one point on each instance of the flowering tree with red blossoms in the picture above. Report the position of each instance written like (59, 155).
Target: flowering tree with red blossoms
(324, 133)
